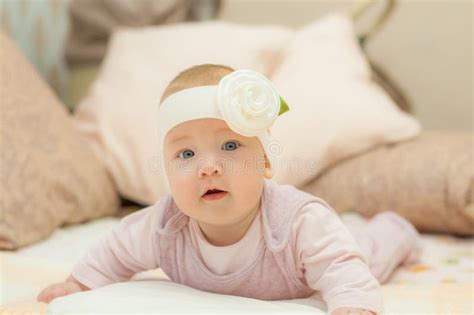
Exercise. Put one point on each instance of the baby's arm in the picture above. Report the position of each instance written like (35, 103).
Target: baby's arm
(128, 249)
(333, 264)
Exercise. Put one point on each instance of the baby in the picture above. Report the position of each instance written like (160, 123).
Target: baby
(226, 227)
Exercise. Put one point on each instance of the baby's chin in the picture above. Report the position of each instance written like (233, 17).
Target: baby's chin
(225, 214)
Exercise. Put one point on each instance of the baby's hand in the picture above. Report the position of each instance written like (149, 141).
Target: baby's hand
(61, 289)
(351, 311)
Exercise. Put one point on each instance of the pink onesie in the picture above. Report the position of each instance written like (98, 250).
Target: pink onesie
(305, 248)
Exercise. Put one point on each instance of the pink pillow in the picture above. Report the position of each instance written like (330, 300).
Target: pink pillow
(319, 70)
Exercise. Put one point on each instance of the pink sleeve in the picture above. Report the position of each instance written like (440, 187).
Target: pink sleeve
(129, 248)
(332, 262)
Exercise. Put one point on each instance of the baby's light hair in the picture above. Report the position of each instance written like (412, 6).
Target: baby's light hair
(200, 75)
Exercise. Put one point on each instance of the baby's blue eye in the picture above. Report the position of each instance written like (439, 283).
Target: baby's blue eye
(186, 154)
(230, 145)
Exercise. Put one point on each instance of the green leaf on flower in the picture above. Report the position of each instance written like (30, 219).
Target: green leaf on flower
(283, 106)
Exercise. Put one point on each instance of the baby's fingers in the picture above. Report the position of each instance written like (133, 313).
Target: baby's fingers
(52, 292)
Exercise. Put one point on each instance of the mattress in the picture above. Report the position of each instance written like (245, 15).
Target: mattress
(440, 283)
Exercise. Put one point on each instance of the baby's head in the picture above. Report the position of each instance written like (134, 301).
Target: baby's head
(204, 149)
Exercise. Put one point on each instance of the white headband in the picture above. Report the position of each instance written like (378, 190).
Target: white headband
(244, 99)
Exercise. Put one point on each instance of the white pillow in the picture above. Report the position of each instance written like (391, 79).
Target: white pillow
(165, 297)
(335, 109)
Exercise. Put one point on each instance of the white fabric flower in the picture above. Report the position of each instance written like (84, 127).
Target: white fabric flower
(248, 102)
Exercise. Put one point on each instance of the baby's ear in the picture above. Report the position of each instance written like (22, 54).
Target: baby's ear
(268, 174)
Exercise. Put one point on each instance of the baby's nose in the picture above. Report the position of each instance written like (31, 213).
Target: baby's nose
(208, 168)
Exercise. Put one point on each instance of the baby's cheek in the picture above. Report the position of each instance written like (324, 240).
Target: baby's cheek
(179, 180)
(184, 193)
(180, 170)
(235, 167)
(256, 165)
(250, 189)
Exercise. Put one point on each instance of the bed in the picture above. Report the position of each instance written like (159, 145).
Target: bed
(440, 283)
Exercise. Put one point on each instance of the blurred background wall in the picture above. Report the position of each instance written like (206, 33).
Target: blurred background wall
(39, 28)
(425, 46)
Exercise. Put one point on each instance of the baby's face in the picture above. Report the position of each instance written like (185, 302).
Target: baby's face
(206, 154)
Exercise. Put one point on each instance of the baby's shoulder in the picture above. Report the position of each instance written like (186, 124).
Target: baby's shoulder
(317, 209)
(314, 218)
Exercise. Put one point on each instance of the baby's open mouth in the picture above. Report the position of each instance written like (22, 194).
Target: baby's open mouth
(213, 191)
(214, 194)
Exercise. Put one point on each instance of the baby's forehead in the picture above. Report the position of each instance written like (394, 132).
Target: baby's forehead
(208, 128)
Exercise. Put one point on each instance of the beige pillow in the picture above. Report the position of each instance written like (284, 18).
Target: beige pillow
(49, 173)
(429, 180)
(336, 111)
